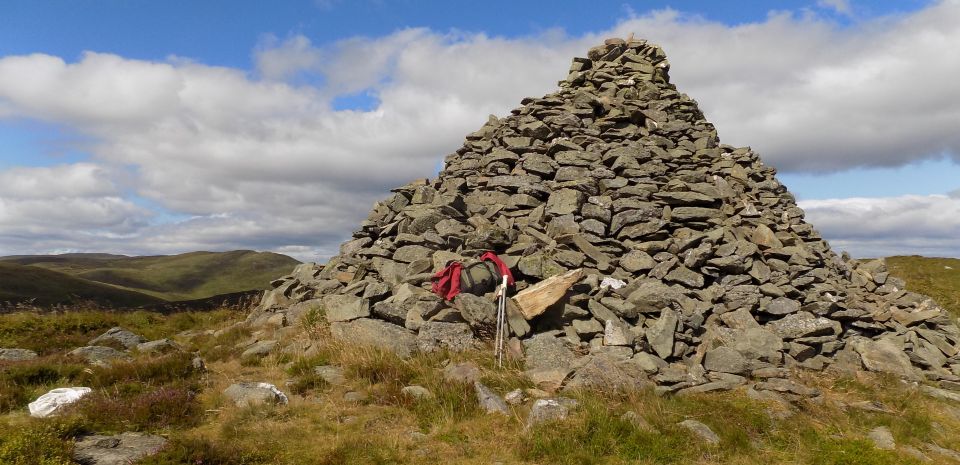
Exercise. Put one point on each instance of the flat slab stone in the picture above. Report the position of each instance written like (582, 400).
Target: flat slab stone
(121, 449)
(98, 354)
(376, 333)
(885, 356)
(17, 355)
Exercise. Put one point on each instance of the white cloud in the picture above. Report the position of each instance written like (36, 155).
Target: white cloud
(873, 227)
(261, 160)
(283, 60)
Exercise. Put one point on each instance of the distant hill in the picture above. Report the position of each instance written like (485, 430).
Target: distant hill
(189, 276)
(23, 283)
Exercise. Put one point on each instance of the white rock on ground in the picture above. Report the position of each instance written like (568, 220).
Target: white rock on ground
(51, 402)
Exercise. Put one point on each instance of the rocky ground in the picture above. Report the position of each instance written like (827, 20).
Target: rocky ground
(298, 395)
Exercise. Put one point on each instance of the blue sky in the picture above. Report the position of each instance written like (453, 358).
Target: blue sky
(177, 169)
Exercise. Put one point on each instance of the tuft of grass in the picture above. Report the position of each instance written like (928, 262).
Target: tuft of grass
(593, 435)
(853, 451)
(202, 451)
(362, 451)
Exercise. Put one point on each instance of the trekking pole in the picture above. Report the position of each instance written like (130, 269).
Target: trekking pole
(501, 322)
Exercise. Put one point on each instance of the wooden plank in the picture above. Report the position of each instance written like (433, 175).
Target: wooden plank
(535, 299)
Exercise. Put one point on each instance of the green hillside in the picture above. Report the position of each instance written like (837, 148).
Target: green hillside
(21, 283)
(188, 276)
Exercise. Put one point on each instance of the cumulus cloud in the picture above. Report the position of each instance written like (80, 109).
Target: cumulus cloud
(910, 224)
(260, 158)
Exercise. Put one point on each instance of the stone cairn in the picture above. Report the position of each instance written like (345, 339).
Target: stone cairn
(700, 273)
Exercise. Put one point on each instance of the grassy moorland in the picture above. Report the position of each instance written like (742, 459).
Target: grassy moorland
(166, 395)
(133, 281)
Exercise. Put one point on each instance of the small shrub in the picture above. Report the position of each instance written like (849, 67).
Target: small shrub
(159, 408)
(37, 444)
(361, 451)
(172, 368)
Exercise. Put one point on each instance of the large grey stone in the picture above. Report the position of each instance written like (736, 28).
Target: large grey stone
(17, 355)
(803, 324)
(637, 260)
(726, 360)
(490, 401)
(118, 335)
(606, 373)
(345, 307)
(653, 296)
(544, 351)
(885, 356)
(417, 392)
(701, 430)
(439, 335)
(463, 373)
(782, 306)
(261, 349)
(480, 312)
(98, 354)
(160, 346)
(549, 410)
(120, 449)
(376, 333)
(661, 334)
(564, 201)
(254, 393)
(333, 375)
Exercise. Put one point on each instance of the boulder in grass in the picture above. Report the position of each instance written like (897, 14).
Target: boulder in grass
(98, 354)
(120, 336)
(17, 355)
(251, 394)
(120, 449)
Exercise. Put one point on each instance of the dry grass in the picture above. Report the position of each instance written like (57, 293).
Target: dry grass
(319, 426)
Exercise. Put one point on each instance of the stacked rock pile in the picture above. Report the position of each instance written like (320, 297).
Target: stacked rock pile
(701, 273)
